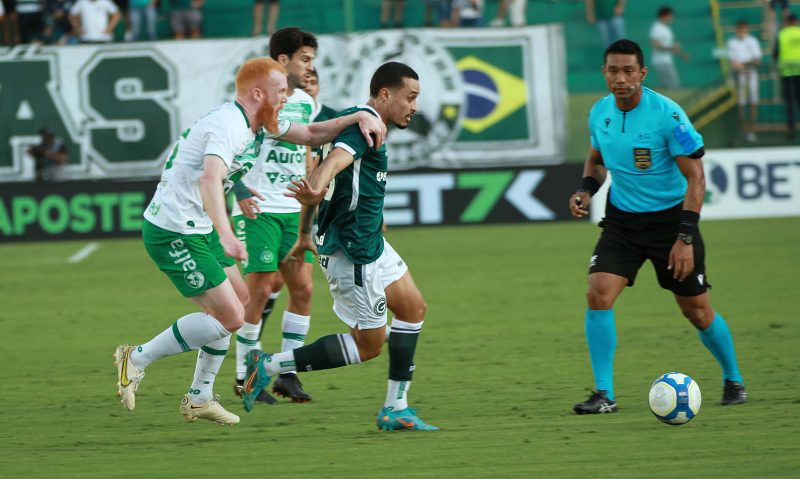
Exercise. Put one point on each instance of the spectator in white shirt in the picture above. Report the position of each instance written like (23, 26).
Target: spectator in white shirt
(468, 12)
(664, 46)
(744, 53)
(94, 20)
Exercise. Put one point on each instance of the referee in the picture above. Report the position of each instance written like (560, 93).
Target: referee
(655, 156)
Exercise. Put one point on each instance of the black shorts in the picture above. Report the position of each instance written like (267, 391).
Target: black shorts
(628, 239)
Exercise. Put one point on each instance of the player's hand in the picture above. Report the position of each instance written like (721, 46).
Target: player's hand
(372, 128)
(297, 255)
(233, 248)
(249, 206)
(302, 191)
(579, 204)
(681, 260)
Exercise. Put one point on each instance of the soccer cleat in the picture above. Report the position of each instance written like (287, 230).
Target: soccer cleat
(212, 411)
(256, 377)
(264, 396)
(128, 376)
(287, 385)
(389, 420)
(597, 403)
(733, 393)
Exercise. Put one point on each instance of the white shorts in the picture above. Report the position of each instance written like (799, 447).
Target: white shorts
(747, 81)
(358, 292)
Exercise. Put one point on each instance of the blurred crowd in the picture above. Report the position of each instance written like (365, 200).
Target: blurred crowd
(66, 22)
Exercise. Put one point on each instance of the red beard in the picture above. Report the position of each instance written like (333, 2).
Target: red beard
(268, 117)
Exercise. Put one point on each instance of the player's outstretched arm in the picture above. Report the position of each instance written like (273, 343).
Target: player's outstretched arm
(310, 191)
(317, 134)
(594, 174)
(214, 171)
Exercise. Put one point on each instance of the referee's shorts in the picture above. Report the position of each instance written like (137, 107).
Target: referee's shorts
(628, 239)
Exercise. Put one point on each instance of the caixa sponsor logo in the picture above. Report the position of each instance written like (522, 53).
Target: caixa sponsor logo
(770, 180)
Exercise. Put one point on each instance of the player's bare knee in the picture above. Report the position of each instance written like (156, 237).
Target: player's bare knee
(369, 351)
(231, 316)
(598, 299)
(698, 316)
(421, 308)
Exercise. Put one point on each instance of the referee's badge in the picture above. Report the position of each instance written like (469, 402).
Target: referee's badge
(642, 158)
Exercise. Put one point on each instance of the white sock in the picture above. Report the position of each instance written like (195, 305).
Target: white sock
(397, 395)
(280, 363)
(294, 329)
(209, 359)
(246, 341)
(187, 333)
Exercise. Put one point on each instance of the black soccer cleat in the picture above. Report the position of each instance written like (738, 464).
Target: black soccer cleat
(733, 393)
(597, 403)
(289, 386)
(263, 396)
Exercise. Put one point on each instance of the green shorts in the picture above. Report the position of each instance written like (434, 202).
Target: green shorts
(269, 238)
(194, 263)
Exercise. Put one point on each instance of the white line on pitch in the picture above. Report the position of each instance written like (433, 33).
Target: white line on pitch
(83, 253)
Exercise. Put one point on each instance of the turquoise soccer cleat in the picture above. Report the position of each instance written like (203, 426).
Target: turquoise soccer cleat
(389, 420)
(255, 379)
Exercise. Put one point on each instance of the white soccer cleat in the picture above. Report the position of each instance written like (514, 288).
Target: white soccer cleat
(128, 376)
(212, 411)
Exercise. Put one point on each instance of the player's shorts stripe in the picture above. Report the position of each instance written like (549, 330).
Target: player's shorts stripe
(179, 338)
(358, 278)
(215, 352)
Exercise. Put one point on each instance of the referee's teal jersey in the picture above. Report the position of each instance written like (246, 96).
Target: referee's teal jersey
(639, 149)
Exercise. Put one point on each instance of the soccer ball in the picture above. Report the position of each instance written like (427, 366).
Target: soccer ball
(675, 398)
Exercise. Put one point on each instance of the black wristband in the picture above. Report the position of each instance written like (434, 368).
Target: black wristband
(589, 185)
(689, 220)
(241, 191)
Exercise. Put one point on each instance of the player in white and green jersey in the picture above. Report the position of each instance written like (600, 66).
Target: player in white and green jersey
(189, 237)
(273, 231)
(366, 275)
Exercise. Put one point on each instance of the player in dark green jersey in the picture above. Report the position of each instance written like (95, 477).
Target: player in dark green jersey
(365, 274)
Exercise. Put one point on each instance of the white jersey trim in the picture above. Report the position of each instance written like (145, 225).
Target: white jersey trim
(346, 148)
(356, 179)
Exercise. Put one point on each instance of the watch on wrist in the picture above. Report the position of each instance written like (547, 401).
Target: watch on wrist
(686, 238)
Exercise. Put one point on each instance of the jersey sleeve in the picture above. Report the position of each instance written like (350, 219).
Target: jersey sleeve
(221, 142)
(682, 138)
(351, 140)
(283, 127)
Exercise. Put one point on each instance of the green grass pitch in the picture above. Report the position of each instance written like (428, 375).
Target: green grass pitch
(501, 360)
